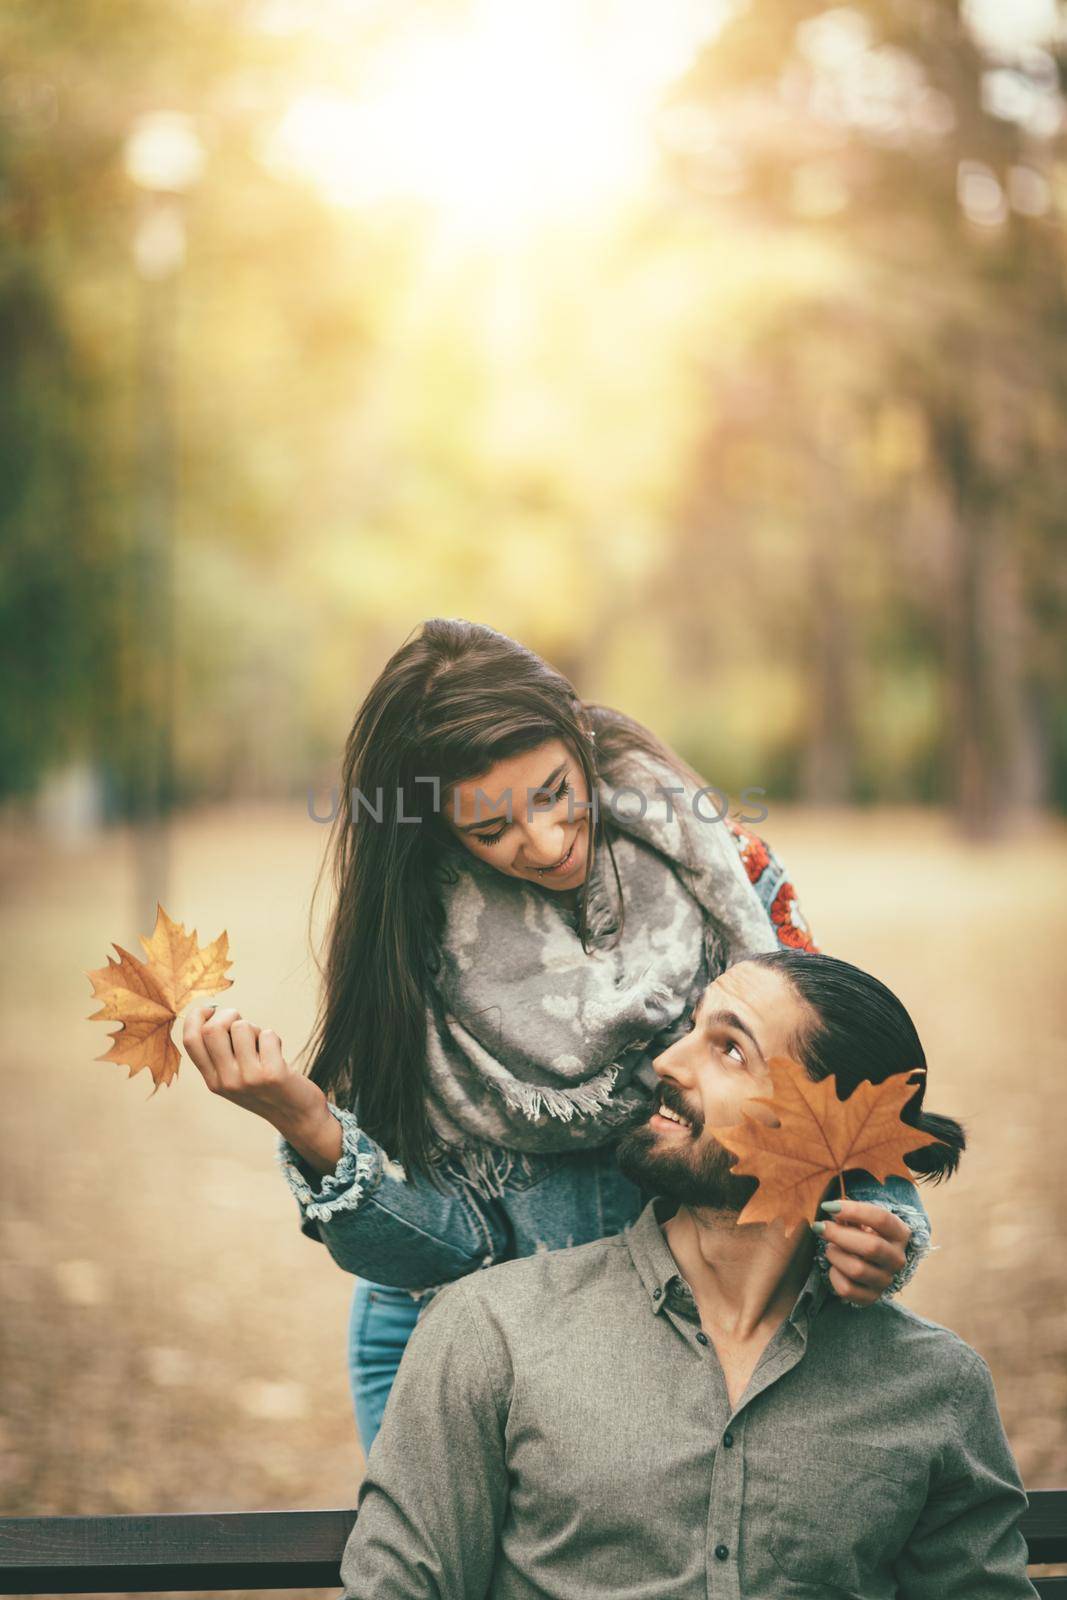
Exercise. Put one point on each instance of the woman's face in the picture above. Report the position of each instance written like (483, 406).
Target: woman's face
(525, 816)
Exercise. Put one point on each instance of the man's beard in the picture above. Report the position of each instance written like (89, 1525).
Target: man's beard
(694, 1170)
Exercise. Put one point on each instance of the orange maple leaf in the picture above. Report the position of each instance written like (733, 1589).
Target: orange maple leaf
(147, 996)
(817, 1138)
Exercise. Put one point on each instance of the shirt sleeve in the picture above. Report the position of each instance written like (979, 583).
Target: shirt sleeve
(432, 1504)
(967, 1543)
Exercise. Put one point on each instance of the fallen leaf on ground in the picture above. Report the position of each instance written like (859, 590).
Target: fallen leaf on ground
(818, 1138)
(147, 996)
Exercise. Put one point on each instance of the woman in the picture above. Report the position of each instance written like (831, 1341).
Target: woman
(532, 895)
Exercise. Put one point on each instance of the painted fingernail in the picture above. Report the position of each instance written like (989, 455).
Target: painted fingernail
(831, 1205)
(818, 1227)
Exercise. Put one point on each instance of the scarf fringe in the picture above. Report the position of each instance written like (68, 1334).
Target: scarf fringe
(537, 1100)
(483, 1168)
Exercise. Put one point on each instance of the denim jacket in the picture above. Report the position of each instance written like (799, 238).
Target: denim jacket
(410, 1235)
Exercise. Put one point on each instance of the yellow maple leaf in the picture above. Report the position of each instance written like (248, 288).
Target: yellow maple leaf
(817, 1138)
(147, 996)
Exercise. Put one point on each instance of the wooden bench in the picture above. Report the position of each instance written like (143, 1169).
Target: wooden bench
(275, 1550)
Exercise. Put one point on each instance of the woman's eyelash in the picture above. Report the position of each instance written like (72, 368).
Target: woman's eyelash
(557, 795)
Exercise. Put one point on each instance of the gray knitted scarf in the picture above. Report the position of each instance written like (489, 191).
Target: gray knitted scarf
(537, 1045)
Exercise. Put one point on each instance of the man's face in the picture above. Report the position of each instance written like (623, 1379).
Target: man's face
(746, 1016)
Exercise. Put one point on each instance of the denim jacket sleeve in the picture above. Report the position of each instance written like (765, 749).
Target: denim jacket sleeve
(379, 1225)
(902, 1198)
(357, 1173)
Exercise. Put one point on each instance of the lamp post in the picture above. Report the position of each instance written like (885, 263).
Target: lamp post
(164, 159)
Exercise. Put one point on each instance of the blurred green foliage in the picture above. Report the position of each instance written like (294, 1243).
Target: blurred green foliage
(771, 457)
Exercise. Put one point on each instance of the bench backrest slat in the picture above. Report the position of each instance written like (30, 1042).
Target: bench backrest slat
(161, 1553)
(1044, 1524)
(197, 1552)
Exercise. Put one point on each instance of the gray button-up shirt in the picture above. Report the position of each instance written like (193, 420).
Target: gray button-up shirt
(560, 1427)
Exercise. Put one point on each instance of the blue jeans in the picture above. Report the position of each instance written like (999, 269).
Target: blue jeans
(380, 1325)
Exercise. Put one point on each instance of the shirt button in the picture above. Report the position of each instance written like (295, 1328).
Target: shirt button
(728, 1439)
(702, 1338)
(657, 1294)
(721, 1552)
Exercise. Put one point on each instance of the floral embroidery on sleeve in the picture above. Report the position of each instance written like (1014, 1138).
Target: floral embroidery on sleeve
(789, 920)
(767, 876)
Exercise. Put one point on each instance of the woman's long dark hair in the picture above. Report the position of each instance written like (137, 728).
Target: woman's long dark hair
(864, 1032)
(451, 702)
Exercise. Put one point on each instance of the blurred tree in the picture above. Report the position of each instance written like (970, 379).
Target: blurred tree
(65, 309)
(769, 458)
(920, 386)
(50, 571)
(76, 406)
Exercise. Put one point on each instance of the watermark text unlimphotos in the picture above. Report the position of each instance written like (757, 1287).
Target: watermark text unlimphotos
(707, 804)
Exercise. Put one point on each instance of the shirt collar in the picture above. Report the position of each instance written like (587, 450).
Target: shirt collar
(650, 1252)
(658, 1270)
(813, 1295)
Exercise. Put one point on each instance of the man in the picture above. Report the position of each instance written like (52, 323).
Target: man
(683, 1410)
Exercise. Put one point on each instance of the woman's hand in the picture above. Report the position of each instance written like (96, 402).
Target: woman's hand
(865, 1248)
(240, 1061)
(245, 1064)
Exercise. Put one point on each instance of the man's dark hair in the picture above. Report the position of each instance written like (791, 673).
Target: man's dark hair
(864, 1032)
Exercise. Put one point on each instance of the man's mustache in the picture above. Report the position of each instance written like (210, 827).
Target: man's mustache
(671, 1096)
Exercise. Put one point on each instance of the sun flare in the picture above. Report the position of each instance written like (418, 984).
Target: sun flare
(520, 112)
